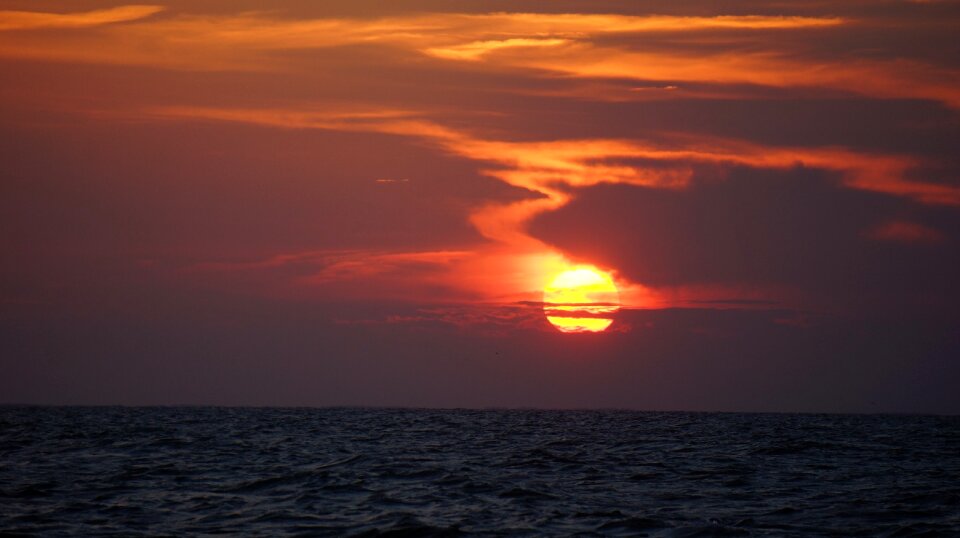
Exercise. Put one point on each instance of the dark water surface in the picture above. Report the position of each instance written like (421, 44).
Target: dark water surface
(194, 471)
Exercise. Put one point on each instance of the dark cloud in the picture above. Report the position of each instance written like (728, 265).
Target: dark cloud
(205, 348)
(883, 126)
(796, 228)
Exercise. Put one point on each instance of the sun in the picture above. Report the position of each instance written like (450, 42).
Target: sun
(582, 299)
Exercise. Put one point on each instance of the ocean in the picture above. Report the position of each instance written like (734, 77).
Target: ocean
(175, 471)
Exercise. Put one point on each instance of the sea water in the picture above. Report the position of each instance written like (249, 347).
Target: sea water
(401, 472)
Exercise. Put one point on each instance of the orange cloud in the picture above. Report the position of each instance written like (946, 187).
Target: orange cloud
(552, 170)
(566, 28)
(228, 41)
(580, 24)
(874, 78)
(29, 20)
(476, 49)
(561, 43)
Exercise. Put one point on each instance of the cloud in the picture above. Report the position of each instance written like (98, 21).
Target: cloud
(365, 265)
(886, 79)
(202, 190)
(30, 20)
(552, 168)
(586, 24)
(791, 233)
(569, 27)
(587, 56)
(540, 166)
(592, 46)
(171, 347)
(906, 232)
(476, 49)
(483, 274)
(692, 217)
(491, 320)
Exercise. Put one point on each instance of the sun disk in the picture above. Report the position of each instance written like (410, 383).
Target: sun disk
(582, 299)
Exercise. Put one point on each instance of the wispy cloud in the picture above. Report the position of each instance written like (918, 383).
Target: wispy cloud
(895, 78)
(486, 319)
(552, 168)
(901, 231)
(476, 49)
(29, 20)
(366, 264)
(570, 44)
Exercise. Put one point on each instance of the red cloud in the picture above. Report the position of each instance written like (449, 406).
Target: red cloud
(902, 231)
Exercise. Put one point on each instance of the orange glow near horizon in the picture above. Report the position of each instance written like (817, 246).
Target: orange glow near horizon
(582, 299)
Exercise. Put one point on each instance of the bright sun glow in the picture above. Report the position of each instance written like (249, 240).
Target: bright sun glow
(582, 299)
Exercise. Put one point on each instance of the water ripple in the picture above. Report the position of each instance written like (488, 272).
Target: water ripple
(363, 472)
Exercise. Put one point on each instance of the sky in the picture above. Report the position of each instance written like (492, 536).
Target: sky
(362, 203)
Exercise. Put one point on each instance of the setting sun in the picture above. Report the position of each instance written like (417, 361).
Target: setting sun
(582, 299)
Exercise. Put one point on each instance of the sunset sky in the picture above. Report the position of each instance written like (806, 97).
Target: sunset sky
(362, 202)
